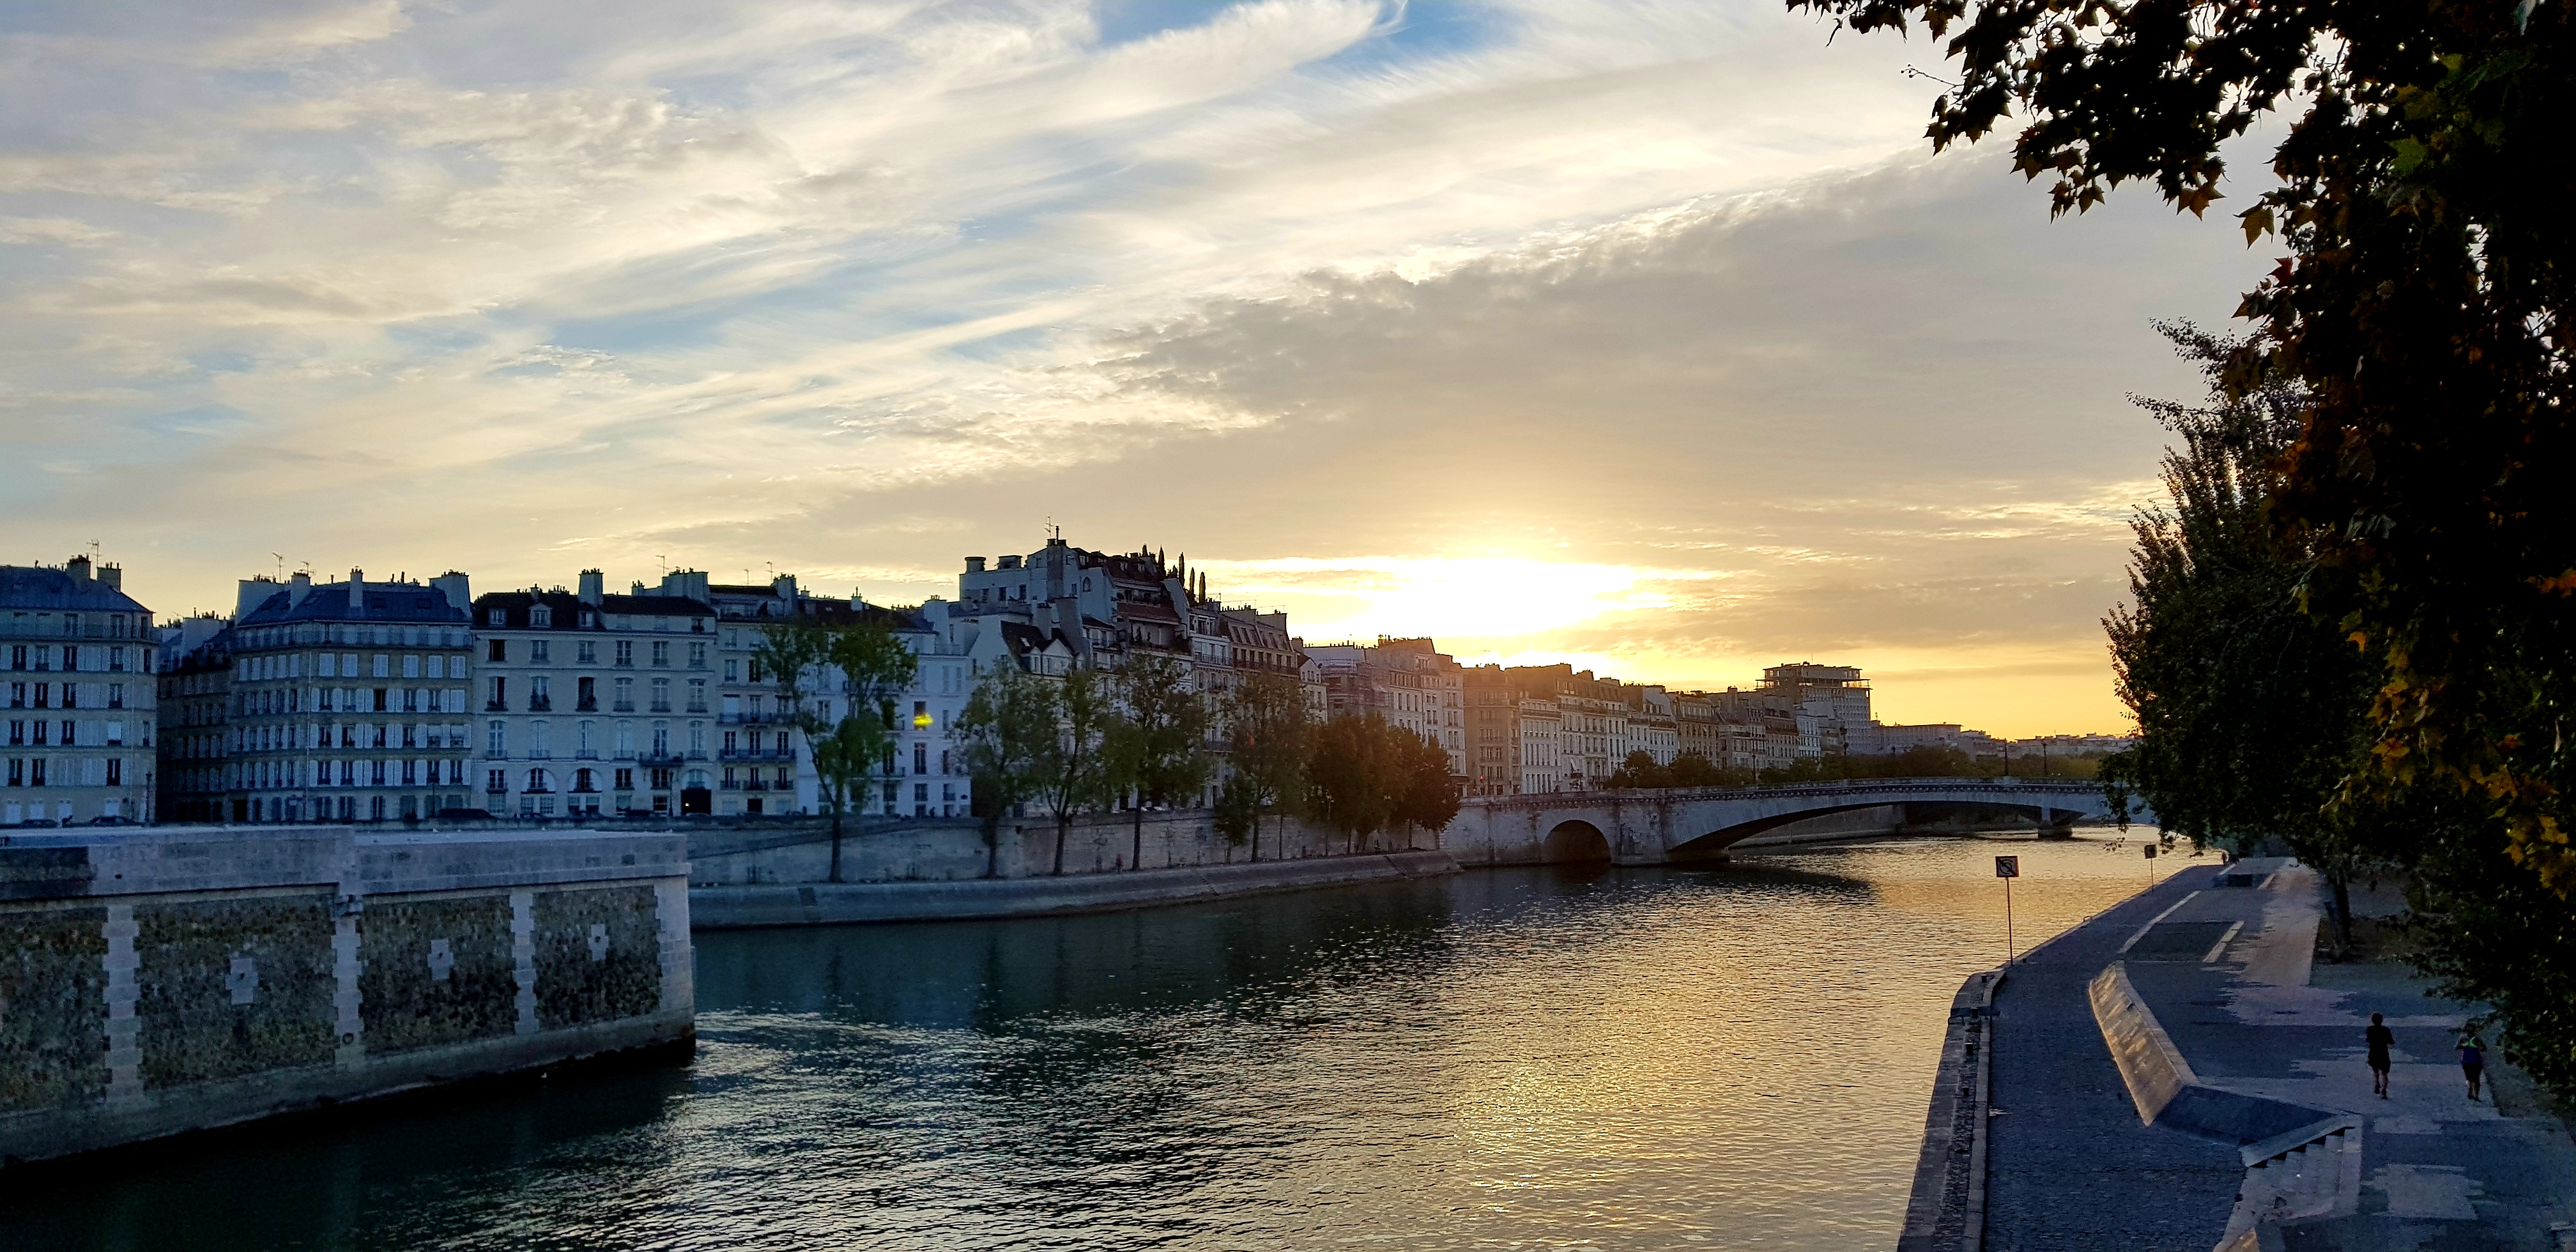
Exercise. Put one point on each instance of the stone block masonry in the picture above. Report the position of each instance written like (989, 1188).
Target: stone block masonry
(170, 980)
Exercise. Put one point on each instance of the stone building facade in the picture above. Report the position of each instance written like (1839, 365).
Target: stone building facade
(344, 702)
(79, 656)
(589, 703)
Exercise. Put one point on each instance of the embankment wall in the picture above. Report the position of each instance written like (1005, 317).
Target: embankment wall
(169, 980)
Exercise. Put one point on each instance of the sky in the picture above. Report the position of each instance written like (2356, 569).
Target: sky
(1649, 336)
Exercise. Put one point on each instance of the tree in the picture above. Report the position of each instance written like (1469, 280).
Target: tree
(1076, 772)
(2423, 309)
(1354, 775)
(1639, 770)
(1157, 742)
(804, 657)
(2249, 711)
(1005, 738)
(1267, 730)
(1426, 792)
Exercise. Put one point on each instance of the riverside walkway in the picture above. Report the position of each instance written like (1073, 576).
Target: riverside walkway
(2220, 1022)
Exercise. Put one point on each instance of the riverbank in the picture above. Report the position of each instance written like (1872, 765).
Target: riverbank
(811, 904)
(2178, 1072)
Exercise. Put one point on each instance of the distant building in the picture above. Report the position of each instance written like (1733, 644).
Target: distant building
(1408, 682)
(1494, 747)
(80, 655)
(196, 691)
(343, 702)
(590, 702)
(1830, 703)
(1893, 739)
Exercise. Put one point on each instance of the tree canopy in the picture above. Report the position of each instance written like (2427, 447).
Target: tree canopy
(2423, 311)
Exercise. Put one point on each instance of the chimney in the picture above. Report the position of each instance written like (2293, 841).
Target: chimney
(458, 589)
(113, 576)
(688, 584)
(974, 565)
(298, 587)
(255, 592)
(357, 588)
(1011, 561)
(783, 586)
(594, 587)
(77, 567)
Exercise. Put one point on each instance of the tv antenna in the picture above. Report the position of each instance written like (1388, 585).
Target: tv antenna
(281, 565)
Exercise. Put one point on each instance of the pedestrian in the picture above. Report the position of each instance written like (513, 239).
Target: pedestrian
(2380, 1038)
(2473, 1061)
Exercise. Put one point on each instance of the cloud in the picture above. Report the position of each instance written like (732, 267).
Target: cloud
(1635, 330)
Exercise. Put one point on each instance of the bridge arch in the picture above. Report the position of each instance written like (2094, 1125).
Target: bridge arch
(1574, 841)
(1716, 842)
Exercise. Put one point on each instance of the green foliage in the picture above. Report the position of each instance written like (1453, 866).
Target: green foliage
(1157, 741)
(1238, 810)
(1365, 775)
(1076, 771)
(1352, 775)
(2249, 710)
(2423, 314)
(1005, 738)
(806, 659)
(1267, 733)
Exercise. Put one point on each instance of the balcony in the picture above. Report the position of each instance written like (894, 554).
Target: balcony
(587, 705)
(541, 704)
(787, 757)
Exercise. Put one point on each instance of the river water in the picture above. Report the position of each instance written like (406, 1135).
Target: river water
(1541, 1058)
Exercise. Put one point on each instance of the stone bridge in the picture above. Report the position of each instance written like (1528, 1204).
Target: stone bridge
(1679, 825)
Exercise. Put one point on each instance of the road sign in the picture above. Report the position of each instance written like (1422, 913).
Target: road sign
(2151, 852)
(2007, 867)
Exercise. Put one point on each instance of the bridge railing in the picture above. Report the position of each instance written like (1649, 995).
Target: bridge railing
(2017, 788)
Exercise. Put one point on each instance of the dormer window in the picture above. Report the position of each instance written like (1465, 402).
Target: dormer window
(589, 620)
(498, 617)
(540, 617)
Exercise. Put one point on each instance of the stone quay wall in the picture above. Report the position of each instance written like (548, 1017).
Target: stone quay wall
(174, 979)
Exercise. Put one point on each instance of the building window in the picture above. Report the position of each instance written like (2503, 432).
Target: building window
(539, 652)
(541, 618)
(626, 653)
(540, 694)
(697, 695)
(497, 617)
(661, 695)
(661, 739)
(586, 652)
(499, 699)
(539, 745)
(661, 654)
(498, 743)
(697, 656)
(582, 743)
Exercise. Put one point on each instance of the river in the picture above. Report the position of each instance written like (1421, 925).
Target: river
(1536, 1058)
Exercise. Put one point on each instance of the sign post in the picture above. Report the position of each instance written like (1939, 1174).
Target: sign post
(2008, 868)
(2151, 865)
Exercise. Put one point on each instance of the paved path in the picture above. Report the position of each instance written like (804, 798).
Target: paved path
(2068, 1165)
(2228, 973)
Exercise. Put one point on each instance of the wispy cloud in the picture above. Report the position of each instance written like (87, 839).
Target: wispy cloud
(1650, 308)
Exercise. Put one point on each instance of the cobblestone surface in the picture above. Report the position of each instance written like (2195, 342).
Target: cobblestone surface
(2068, 1164)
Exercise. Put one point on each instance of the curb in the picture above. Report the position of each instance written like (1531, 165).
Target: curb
(1948, 1205)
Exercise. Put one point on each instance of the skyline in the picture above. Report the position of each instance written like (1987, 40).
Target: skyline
(1641, 337)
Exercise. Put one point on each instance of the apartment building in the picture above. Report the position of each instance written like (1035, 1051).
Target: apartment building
(82, 701)
(343, 702)
(590, 703)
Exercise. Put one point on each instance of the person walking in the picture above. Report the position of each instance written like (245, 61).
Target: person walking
(2380, 1038)
(2473, 1061)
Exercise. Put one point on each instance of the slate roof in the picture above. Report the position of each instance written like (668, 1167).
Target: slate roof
(568, 608)
(384, 602)
(35, 587)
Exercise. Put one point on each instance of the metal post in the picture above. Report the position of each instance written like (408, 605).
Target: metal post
(2010, 953)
